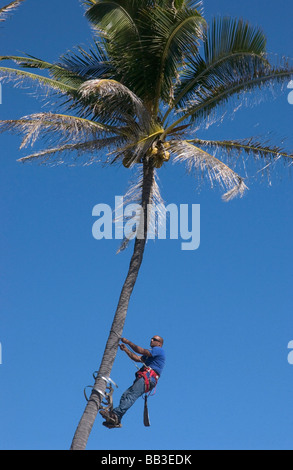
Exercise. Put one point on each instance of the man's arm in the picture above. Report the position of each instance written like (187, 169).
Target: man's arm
(135, 348)
(129, 353)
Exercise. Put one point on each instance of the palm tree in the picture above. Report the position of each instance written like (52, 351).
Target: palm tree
(155, 72)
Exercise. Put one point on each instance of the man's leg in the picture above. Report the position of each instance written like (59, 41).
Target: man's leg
(129, 397)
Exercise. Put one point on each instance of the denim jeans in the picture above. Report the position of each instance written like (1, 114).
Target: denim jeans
(131, 395)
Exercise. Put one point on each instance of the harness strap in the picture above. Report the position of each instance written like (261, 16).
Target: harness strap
(147, 373)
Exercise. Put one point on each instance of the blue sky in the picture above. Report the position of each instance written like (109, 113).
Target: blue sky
(225, 310)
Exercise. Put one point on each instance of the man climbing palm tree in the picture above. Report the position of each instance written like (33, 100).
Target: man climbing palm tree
(145, 381)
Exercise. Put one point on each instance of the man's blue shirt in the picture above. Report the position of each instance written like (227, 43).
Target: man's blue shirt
(157, 359)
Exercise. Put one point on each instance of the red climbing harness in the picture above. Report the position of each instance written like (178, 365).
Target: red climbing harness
(147, 373)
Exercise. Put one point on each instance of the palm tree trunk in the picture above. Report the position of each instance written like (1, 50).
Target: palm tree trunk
(93, 405)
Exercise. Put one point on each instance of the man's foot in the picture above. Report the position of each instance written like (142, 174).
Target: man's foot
(109, 425)
(110, 417)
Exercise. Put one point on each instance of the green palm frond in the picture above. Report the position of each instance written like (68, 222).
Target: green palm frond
(257, 76)
(174, 37)
(199, 160)
(57, 72)
(123, 25)
(29, 62)
(4, 11)
(229, 46)
(88, 64)
(114, 18)
(157, 38)
(20, 76)
(229, 35)
(251, 146)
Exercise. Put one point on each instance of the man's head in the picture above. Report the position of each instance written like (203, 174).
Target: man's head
(157, 340)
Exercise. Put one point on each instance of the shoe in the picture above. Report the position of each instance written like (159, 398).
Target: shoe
(111, 426)
(110, 417)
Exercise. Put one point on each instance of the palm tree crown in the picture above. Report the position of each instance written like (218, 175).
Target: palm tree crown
(156, 70)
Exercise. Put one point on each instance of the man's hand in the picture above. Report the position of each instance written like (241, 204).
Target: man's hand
(135, 348)
(129, 353)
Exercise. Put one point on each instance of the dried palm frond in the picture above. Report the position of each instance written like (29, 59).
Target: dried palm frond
(111, 98)
(216, 171)
(65, 133)
(259, 151)
(4, 11)
(59, 127)
(132, 200)
(80, 153)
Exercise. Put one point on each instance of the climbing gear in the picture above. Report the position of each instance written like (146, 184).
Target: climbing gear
(147, 372)
(109, 416)
(107, 402)
(146, 419)
(107, 397)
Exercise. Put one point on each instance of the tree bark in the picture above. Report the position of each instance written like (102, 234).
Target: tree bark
(93, 405)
